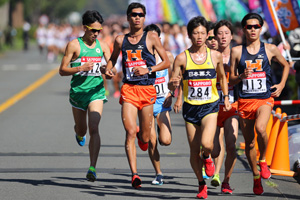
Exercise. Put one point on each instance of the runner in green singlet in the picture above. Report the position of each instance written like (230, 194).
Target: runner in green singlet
(87, 93)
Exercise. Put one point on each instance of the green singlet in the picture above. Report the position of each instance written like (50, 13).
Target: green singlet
(87, 86)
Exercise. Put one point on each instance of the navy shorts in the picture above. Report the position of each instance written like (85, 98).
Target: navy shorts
(195, 113)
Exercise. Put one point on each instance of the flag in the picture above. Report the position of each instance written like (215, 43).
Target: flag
(187, 9)
(169, 11)
(206, 9)
(237, 12)
(288, 13)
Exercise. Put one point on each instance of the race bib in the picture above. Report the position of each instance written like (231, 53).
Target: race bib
(256, 83)
(129, 65)
(230, 94)
(161, 87)
(96, 68)
(199, 90)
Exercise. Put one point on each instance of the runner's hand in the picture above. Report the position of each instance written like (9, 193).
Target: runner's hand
(227, 106)
(277, 90)
(109, 74)
(177, 105)
(140, 71)
(87, 66)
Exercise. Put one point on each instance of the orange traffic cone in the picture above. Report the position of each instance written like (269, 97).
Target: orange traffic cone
(281, 159)
(273, 137)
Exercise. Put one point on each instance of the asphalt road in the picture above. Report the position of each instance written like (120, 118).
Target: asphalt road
(40, 159)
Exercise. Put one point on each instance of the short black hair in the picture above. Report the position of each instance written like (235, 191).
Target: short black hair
(135, 5)
(195, 22)
(252, 16)
(210, 26)
(153, 27)
(221, 23)
(91, 16)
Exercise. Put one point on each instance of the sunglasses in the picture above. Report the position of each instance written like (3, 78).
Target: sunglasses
(94, 30)
(134, 14)
(211, 38)
(255, 26)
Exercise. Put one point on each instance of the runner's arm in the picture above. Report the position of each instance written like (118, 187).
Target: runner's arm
(222, 79)
(156, 43)
(179, 63)
(64, 70)
(114, 56)
(234, 77)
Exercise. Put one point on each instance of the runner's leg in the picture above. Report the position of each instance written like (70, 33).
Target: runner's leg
(94, 116)
(129, 117)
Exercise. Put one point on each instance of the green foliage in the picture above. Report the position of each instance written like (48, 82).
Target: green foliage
(54, 9)
(3, 2)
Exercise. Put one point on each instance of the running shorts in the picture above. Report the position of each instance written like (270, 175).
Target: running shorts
(138, 95)
(247, 107)
(195, 113)
(158, 106)
(82, 100)
(223, 115)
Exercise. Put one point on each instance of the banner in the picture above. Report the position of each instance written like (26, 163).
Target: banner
(187, 9)
(169, 11)
(288, 13)
(220, 9)
(237, 12)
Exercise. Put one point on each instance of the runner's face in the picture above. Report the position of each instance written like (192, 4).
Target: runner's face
(136, 18)
(224, 36)
(92, 31)
(198, 36)
(211, 41)
(253, 33)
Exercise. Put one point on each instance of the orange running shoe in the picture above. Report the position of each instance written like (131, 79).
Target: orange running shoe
(257, 187)
(209, 166)
(202, 192)
(264, 170)
(143, 146)
(136, 182)
(225, 189)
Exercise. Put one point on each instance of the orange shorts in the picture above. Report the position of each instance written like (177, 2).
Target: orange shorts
(223, 115)
(138, 95)
(247, 107)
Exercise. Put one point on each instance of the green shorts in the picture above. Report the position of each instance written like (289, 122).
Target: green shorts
(82, 100)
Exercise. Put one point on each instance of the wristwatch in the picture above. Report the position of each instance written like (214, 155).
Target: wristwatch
(150, 70)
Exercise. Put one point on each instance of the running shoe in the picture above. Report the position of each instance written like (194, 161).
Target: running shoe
(204, 174)
(117, 94)
(215, 181)
(257, 187)
(91, 174)
(159, 180)
(209, 166)
(202, 192)
(225, 189)
(143, 146)
(80, 140)
(136, 182)
(264, 170)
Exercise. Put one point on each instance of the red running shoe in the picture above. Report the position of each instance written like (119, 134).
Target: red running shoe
(202, 192)
(143, 146)
(257, 187)
(264, 170)
(209, 166)
(136, 182)
(225, 189)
